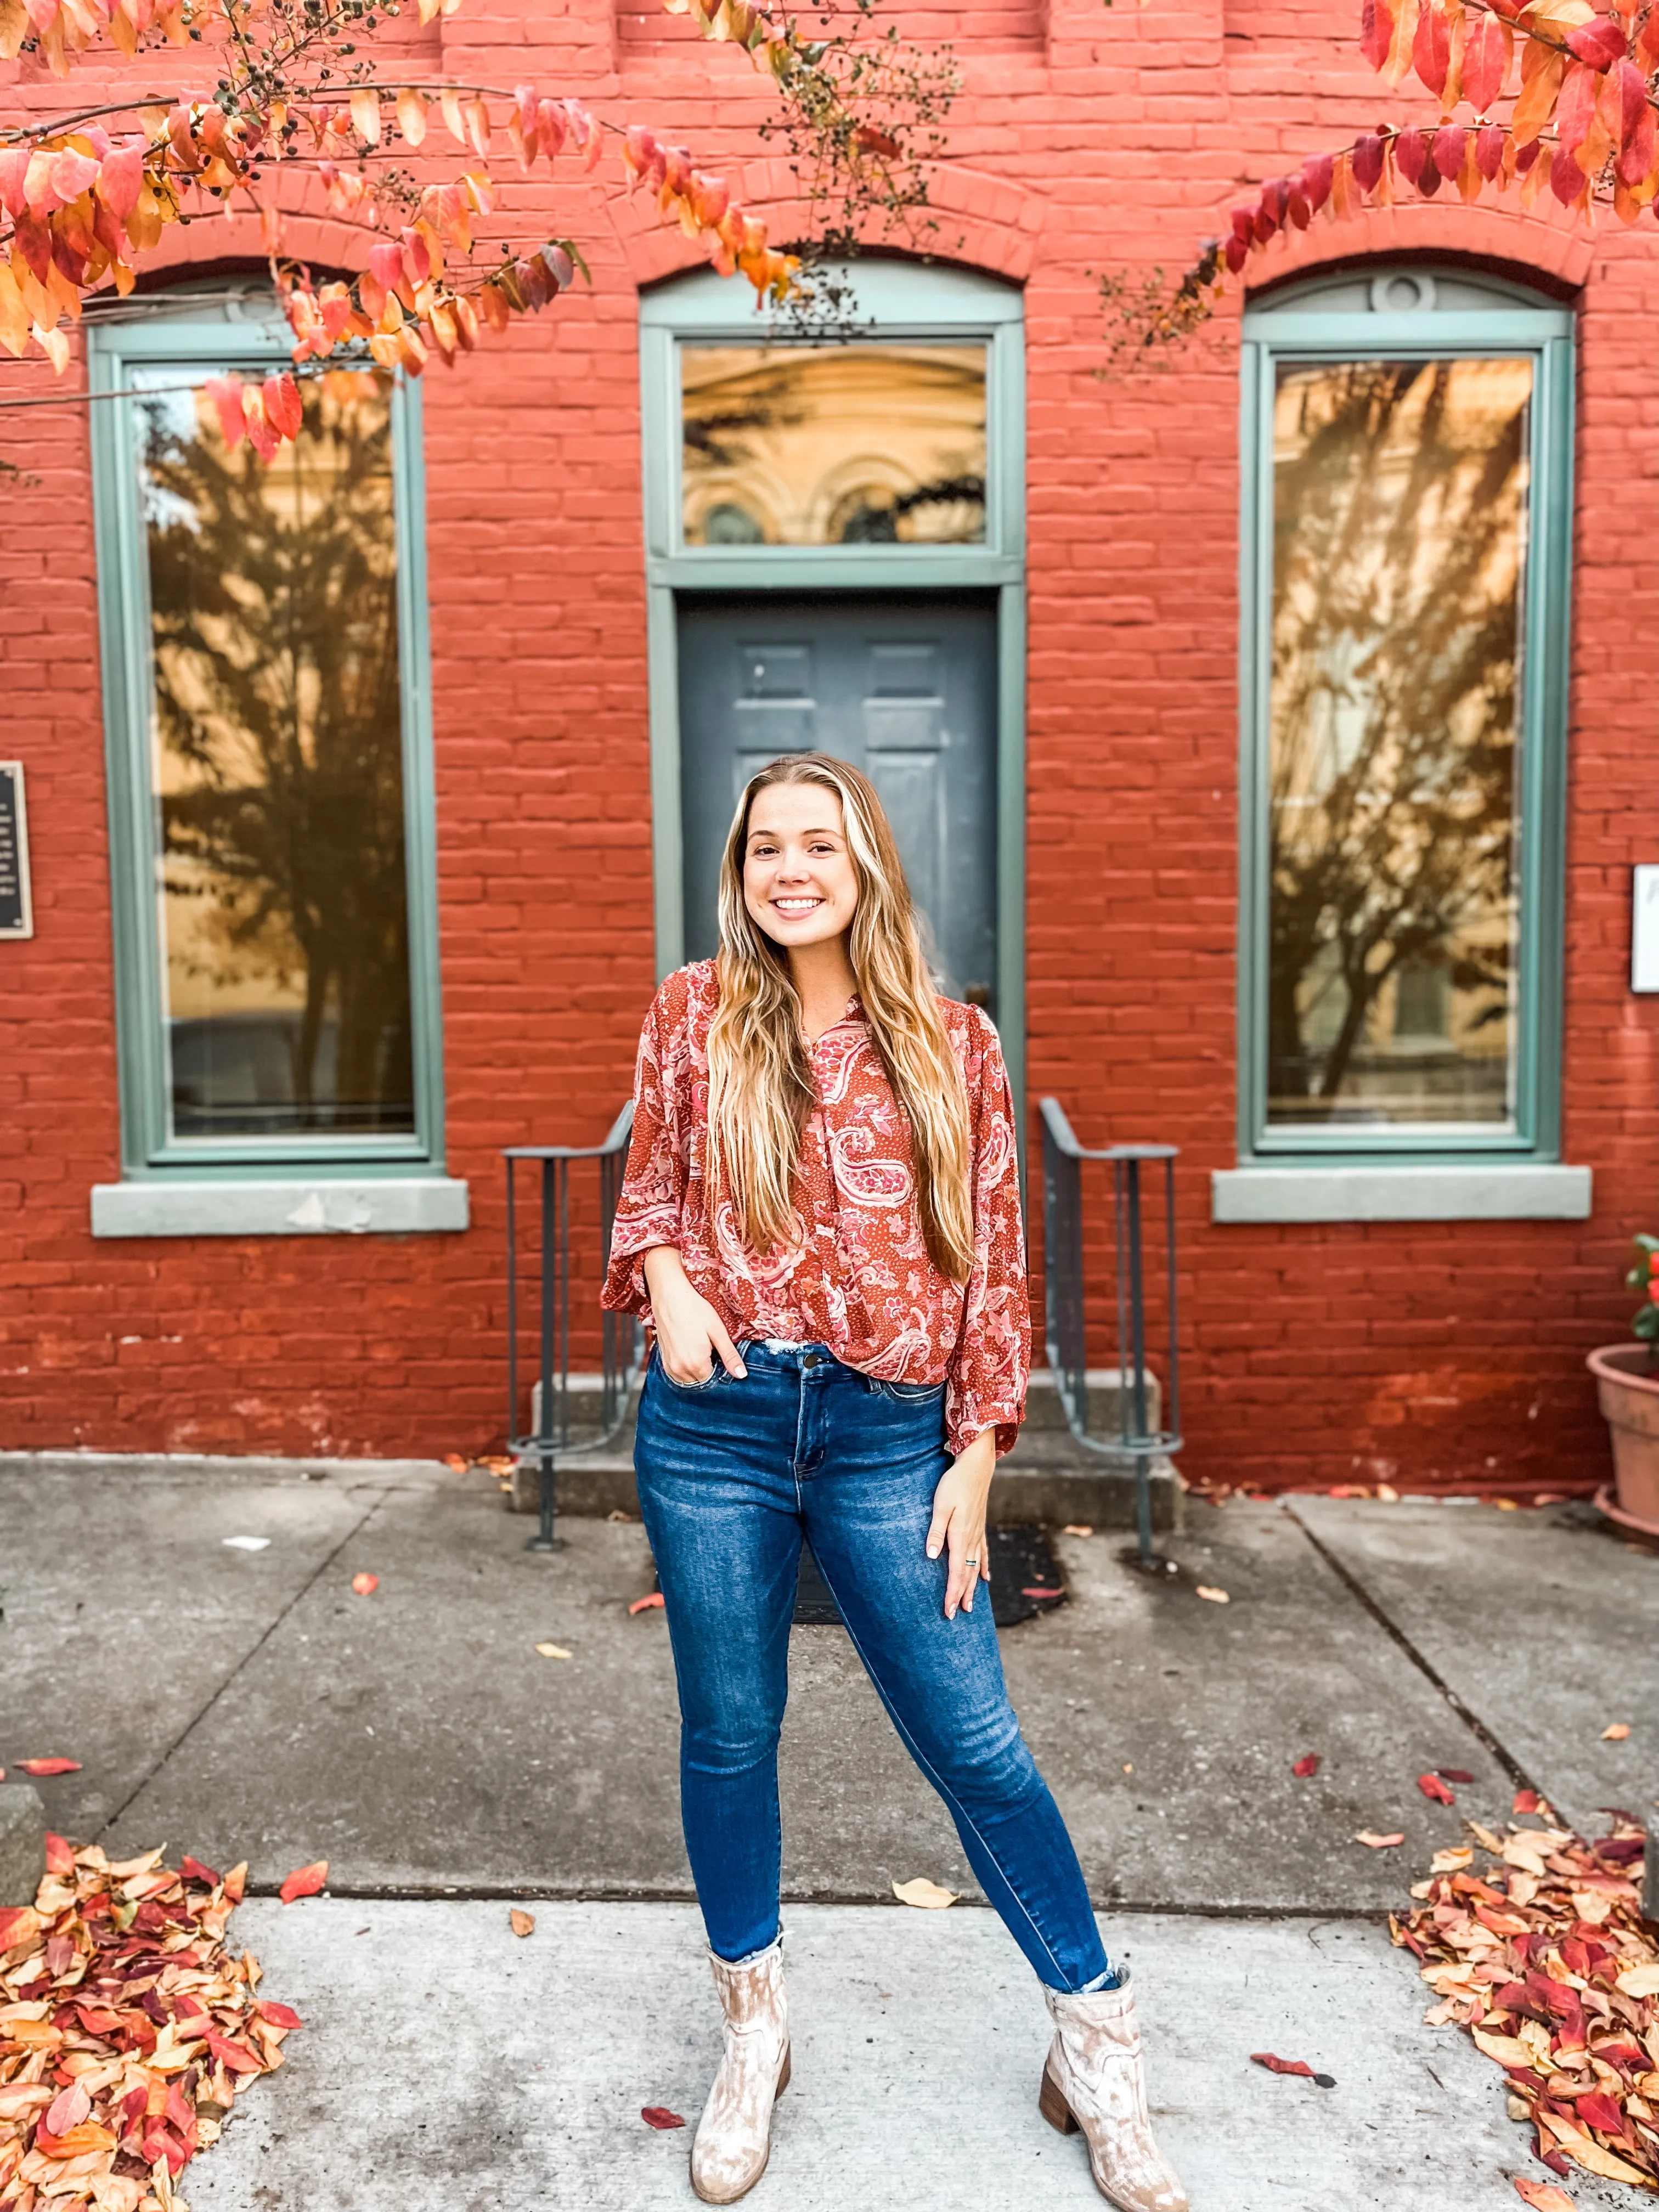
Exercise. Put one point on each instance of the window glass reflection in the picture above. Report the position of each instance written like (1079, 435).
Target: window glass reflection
(1400, 506)
(834, 445)
(277, 760)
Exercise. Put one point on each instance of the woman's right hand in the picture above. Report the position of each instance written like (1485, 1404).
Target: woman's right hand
(691, 1334)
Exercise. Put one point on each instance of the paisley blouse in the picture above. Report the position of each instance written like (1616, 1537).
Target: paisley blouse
(855, 1274)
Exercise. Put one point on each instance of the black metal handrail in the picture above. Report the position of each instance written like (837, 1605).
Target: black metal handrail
(621, 1337)
(1066, 1331)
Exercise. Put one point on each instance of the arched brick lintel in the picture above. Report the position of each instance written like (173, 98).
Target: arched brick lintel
(328, 243)
(979, 222)
(1527, 244)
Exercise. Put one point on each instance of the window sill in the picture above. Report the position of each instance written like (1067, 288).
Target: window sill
(394, 1206)
(1481, 1191)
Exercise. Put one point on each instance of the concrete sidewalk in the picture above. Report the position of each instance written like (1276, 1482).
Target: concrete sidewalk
(247, 1703)
(448, 2064)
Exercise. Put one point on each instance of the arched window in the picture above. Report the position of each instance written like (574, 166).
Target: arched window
(1406, 451)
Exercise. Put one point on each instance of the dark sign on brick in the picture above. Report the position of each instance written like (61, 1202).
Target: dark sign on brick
(15, 917)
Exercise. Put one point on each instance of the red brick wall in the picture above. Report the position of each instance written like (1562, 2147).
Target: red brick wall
(1449, 1357)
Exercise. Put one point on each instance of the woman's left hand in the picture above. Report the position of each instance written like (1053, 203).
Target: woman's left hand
(959, 1521)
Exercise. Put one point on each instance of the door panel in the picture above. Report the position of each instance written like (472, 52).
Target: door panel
(903, 685)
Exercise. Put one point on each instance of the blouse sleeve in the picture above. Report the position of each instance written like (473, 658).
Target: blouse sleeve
(991, 1364)
(649, 1208)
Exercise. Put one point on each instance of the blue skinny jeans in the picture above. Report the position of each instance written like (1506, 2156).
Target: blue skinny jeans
(732, 1475)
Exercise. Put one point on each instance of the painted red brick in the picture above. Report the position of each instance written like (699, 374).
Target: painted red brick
(1438, 1358)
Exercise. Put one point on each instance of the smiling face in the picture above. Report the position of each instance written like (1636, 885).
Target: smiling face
(798, 881)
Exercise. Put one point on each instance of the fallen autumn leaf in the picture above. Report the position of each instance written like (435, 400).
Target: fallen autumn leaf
(1615, 1732)
(1547, 1965)
(645, 1604)
(365, 1585)
(183, 2052)
(1035, 1590)
(1215, 1596)
(553, 1651)
(659, 2116)
(304, 1881)
(1433, 1787)
(1542, 2195)
(522, 1922)
(1373, 1842)
(926, 1895)
(1307, 1765)
(1078, 1528)
(42, 1766)
(1454, 1773)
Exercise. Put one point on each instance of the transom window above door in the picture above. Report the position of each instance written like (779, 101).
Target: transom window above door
(1406, 451)
(889, 441)
(833, 445)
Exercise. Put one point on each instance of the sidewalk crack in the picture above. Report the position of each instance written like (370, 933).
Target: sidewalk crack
(251, 1654)
(1471, 1720)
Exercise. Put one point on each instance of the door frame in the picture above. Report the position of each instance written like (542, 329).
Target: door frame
(896, 300)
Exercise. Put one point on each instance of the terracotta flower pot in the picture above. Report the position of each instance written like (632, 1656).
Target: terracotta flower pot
(1629, 1394)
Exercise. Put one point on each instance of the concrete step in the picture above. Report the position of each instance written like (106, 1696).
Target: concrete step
(1049, 1478)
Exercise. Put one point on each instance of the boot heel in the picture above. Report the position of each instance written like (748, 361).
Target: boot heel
(1053, 2105)
(783, 2074)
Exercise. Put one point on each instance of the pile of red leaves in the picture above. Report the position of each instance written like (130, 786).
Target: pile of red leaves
(1546, 1961)
(125, 2030)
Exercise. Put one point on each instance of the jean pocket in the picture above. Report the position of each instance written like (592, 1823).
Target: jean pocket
(908, 1394)
(690, 1389)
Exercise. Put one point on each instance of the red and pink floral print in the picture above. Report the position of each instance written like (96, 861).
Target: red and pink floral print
(856, 1275)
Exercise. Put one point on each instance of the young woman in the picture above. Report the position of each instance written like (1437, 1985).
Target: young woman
(820, 1220)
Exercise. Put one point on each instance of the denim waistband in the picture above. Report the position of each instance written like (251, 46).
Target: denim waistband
(786, 1351)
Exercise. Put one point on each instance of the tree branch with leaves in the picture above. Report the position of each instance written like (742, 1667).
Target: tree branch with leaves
(82, 204)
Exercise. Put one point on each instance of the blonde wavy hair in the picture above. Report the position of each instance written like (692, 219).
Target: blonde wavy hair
(760, 1080)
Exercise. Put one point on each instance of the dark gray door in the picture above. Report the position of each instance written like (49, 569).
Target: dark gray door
(903, 685)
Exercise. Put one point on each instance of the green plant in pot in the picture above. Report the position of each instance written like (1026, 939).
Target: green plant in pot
(1627, 1384)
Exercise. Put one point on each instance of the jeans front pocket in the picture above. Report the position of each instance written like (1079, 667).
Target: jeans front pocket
(908, 1394)
(715, 1374)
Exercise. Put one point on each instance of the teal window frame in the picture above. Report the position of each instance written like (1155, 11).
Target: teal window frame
(245, 333)
(1474, 316)
(896, 301)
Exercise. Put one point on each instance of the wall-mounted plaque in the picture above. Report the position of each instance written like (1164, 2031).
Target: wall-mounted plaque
(16, 917)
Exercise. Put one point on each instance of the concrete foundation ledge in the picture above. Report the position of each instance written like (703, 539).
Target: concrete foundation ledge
(394, 1206)
(1526, 1191)
(23, 1843)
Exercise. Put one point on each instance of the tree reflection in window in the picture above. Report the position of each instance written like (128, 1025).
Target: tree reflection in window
(278, 765)
(1400, 545)
(834, 445)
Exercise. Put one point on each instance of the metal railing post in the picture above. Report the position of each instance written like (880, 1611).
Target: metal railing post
(1064, 1301)
(618, 1366)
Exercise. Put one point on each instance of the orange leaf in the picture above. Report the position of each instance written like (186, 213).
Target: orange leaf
(365, 1585)
(523, 1923)
(1541, 83)
(366, 115)
(1307, 1765)
(411, 116)
(60, 1855)
(644, 1604)
(88, 2136)
(48, 1765)
(1432, 1786)
(278, 2015)
(1542, 2195)
(304, 1881)
(1373, 1842)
